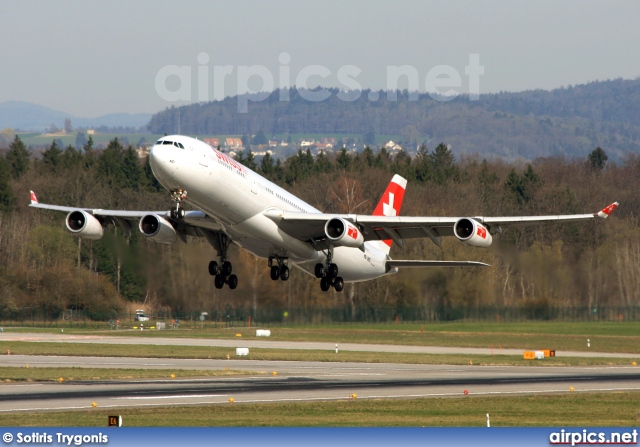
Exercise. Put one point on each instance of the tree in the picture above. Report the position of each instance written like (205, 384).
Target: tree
(266, 166)
(343, 160)
(70, 158)
(522, 187)
(89, 156)
(260, 138)
(369, 138)
(109, 164)
(443, 163)
(6, 193)
(52, 156)
(68, 128)
(17, 158)
(597, 159)
(131, 169)
(81, 140)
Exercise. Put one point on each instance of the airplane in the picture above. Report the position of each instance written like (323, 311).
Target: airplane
(234, 204)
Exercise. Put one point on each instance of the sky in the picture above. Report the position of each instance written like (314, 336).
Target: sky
(93, 58)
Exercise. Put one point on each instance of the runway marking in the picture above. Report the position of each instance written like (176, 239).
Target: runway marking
(170, 397)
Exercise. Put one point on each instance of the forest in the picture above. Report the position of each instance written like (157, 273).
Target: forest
(589, 264)
(569, 121)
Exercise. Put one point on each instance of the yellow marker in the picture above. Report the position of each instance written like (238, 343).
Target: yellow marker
(238, 335)
(27, 366)
(228, 356)
(61, 380)
(470, 362)
(572, 389)
(173, 376)
(354, 396)
(275, 373)
(226, 369)
(94, 404)
(633, 363)
(231, 400)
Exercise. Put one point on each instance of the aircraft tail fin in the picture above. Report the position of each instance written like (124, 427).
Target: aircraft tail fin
(389, 205)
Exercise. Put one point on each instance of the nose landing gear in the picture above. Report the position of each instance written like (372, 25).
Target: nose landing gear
(178, 195)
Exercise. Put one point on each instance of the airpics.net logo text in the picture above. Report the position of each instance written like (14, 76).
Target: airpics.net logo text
(254, 83)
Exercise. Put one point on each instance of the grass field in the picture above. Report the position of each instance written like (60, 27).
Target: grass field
(31, 374)
(603, 336)
(571, 409)
(200, 352)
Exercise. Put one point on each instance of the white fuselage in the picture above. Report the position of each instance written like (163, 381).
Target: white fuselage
(237, 198)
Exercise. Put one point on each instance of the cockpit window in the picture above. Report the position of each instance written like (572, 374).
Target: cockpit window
(167, 142)
(180, 145)
(159, 142)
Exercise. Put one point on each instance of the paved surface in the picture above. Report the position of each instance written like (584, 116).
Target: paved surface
(295, 381)
(235, 343)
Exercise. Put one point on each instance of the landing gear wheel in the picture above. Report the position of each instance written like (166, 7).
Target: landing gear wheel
(232, 281)
(332, 271)
(338, 284)
(325, 284)
(275, 273)
(319, 270)
(284, 273)
(226, 268)
(213, 268)
(180, 213)
(219, 281)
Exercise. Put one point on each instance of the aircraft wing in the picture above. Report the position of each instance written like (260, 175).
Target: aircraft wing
(310, 226)
(393, 263)
(194, 223)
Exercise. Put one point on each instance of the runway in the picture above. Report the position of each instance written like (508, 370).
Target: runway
(295, 382)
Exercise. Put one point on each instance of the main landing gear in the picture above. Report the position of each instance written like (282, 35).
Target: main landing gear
(178, 195)
(222, 271)
(279, 271)
(329, 276)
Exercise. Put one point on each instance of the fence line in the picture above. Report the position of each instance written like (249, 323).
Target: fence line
(241, 316)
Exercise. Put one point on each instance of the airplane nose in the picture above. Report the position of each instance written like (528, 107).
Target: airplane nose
(159, 160)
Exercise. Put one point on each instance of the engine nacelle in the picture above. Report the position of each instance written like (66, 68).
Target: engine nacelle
(344, 233)
(472, 232)
(84, 225)
(157, 229)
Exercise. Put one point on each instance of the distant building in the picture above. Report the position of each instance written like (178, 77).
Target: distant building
(233, 143)
(324, 146)
(306, 143)
(273, 143)
(391, 146)
(213, 142)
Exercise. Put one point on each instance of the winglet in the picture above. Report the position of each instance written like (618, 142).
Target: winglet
(34, 199)
(604, 213)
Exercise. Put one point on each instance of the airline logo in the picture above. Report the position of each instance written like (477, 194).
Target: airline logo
(608, 210)
(352, 232)
(34, 199)
(482, 232)
(391, 200)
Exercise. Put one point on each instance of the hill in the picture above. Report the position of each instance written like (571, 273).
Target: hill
(27, 116)
(568, 121)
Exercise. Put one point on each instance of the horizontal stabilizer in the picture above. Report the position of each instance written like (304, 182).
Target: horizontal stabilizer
(406, 264)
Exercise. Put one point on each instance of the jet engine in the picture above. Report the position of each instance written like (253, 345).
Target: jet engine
(157, 229)
(472, 232)
(84, 225)
(344, 233)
